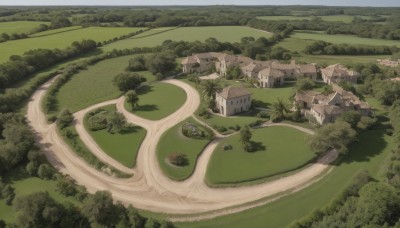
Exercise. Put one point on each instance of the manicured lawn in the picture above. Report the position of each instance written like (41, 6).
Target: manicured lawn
(266, 96)
(61, 40)
(274, 156)
(94, 85)
(123, 146)
(174, 141)
(158, 100)
(222, 33)
(232, 121)
(25, 185)
(55, 31)
(19, 26)
(340, 39)
(367, 154)
(337, 18)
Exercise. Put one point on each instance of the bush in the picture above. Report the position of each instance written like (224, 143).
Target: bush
(249, 146)
(193, 131)
(45, 171)
(366, 122)
(256, 123)
(227, 147)
(8, 194)
(263, 114)
(66, 187)
(97, 122)
(65, 118)
(32, 168)
(178, 159)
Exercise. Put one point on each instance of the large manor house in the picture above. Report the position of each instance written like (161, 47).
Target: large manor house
(272, 73)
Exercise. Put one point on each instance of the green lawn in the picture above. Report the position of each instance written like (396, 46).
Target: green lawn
(232, 121)
(25, 185)
(266, 96)
(274, 156)
(340, 39)
(282, 212)
(174, 141)
(94, 85)
(55, 31)
(222, 33)
(61, 40)
(158, 100)
(124, 146)
(333, 18)
(19, 26)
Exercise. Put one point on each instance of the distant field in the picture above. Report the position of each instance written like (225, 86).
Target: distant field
(94, 85)
(55, 31)
(60, 40)
(340, 39)
(19, 26)
(274, 156)
(222, 33)
(342, 18)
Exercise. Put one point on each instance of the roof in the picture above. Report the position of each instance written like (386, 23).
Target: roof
(189, 60)
(270, 72)
(327, 109)
(256, 66)
(307, 96)
(338, 70)
(233, 92)
(308, 68)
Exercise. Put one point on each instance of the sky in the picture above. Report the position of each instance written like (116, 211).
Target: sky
(206, 2)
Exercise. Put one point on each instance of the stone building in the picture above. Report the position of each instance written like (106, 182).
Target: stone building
(233, 100)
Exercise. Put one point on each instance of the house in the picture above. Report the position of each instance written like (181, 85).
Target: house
(233, 100)
(252, 69)
(326, 108)
(293, 70)
(226, 62)
(337, 73)
(199, 63)
(269, 78)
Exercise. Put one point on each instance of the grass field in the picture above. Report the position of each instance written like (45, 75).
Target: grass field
(266, 96)
(124, 146)
(318, 195)
(55, 31)
(158, 100)
(333, 18)
(174, 141)
(24, 185)
(60, 40)
(94, 85)
(273, 157)
(222, 33)
(19, 26)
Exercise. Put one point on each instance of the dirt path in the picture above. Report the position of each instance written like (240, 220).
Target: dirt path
(149, 188)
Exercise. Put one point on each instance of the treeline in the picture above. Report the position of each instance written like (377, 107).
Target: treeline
(326, 48)
(21, 67)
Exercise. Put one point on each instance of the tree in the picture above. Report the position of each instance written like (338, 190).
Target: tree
(116, 121)
(279, 109)
(210, 88)
(100, 209)
(128, 81)
(137, 63)
(132, 98)
(303, 84)
(178, 159)
(352, 117)
(65, 118)
(245, 139)
(135, 219)
(161, 62)
(8, 194)
(336, 136)
(45, 171)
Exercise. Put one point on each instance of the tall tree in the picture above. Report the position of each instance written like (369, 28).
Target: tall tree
(100, 209)
(132, 98)
(279, 109)
(210, 88)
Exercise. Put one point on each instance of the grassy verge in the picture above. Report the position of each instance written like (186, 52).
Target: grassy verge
(174, 141)
(122, 146)
(158, 100)
(274, 156)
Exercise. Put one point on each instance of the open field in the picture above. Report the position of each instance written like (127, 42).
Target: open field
(158, 100)
(19, 26)
(222, 33)
(274, 156)
(340, 39)
(94, 85)
(317, 195)
(60, 40)
(123, 146)
(55, 31)
(174, 141)
(25, 185)
(333, 18)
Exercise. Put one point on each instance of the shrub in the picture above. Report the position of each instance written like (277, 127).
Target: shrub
(227, 147)
(45, 171)
(178, 159)
(263, 114)
(97, 122)
(66, 187)
(256, 123)
(8, 194)
(65, 118)
(32, 168)
(366, 122)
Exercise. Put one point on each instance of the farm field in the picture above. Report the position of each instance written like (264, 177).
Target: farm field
(333, 18)
(123, 146)
(158, 100)
(24, 185)
(60, 40)
(55, 31)
(274, 156)
(19, 26)
(317, 195)
(94, 85)
(222, 33)
(174, 141)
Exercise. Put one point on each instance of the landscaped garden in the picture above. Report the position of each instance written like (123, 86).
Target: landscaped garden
(273, 156)
(158, 100)
(122, 145)
(174, 142)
